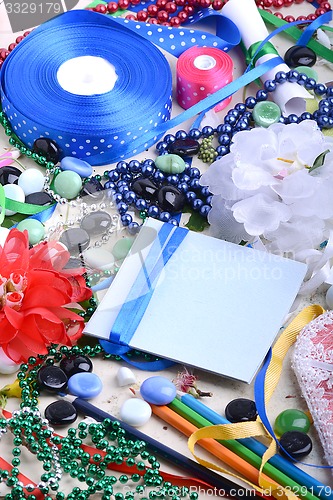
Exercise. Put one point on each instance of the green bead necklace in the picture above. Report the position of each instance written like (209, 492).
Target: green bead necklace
(68, 455)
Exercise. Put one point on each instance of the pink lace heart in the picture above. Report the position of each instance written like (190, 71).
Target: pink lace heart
(313, 365)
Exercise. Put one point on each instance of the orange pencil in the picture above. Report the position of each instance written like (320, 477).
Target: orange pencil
(218, 450)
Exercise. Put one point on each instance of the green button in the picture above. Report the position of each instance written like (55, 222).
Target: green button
(306, 70)
(68, 184)
(291, 420)
(266, 113)
(36, 230)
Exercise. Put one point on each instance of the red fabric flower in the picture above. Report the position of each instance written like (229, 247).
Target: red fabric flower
(36, 293)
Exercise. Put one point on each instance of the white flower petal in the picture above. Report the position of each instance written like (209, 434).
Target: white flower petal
(223, 224)
(297, 234)
(248, 176)
(299, 185)
(260, 213)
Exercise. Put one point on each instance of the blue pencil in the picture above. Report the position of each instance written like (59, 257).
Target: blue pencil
(313, 485)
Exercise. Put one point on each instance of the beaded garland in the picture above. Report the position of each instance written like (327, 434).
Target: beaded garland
(123, 176)
(324, 6)
(240, 117)
(68, 455)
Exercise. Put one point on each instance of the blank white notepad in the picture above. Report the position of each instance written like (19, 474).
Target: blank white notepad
(198, 300)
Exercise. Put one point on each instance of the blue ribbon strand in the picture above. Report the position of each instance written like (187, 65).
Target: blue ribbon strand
(132, 311)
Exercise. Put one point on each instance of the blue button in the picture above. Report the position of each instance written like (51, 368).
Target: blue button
(158, 390)
(85, 385)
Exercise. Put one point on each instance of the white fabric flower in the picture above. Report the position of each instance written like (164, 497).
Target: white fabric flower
(266, 187)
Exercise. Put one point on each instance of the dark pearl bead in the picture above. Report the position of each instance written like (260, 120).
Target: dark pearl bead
(121, 167)
(170, 199)
(126, 219)
(76, 364)
(292, 76)
(169, 138)
(153, 211)
(9, 175)
(181, 134)
(41, 198)
(145, 188)
(52, 378)
(281, 77)
(300, 55)
(60, 413)
(297, 444)
(250, 102)
(207, 131)
(48, 148)
(75, 239)
(93, 189)
(194, 133)
(134, 166)
(96, 223)
(241, 410)
(184, 147)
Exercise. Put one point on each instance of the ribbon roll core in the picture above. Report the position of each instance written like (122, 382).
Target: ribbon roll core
(201, 71)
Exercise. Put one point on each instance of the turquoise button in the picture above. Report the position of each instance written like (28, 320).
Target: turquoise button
(158, 390)
(36, 230)
(265, 113)
(68, 184)
(85, 385)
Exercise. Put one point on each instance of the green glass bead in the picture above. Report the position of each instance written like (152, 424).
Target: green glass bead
(170, 164)
(35, 228)
(68, 184)
(291, 420)
(309, 72)
(121, 248)
(265, 113)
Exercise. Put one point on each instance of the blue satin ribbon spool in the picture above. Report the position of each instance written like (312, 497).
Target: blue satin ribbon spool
(100, 128)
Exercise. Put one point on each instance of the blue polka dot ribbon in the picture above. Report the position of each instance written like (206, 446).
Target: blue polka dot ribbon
(101, 128)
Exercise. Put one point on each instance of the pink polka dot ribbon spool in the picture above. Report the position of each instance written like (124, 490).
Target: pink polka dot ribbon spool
(201, 71)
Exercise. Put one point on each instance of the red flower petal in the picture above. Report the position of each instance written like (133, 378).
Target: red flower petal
(15, 318)
(7, 331)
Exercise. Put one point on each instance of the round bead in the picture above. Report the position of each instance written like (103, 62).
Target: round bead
(48, 148)
(170, 163)
(241, 410)
(76, 364)
(170, 199)
(184, 147)
(158, 390)
(60, 413)
(98, 258)
(81, 167)
(300, 55)
(36, 230)
(96, 223)
(121, 248)
(76, 240)
(40, 198)
(265, 113)
(68, 184)
(145, 188)
(291, 420)
(31, 181)
(52, 378)
(125, 376)
(13, 192)
(85, 385)
(9, 175)
(135, 412)
(297, 444)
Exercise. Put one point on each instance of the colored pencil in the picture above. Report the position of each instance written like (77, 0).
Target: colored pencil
(280, 463)
(218, 450)
(176, 459)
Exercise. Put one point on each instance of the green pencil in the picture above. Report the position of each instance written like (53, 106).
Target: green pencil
(243, 452)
